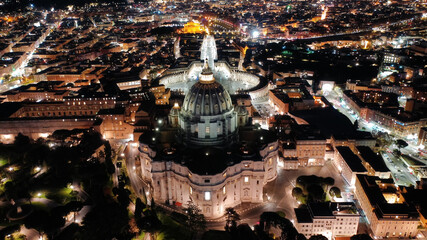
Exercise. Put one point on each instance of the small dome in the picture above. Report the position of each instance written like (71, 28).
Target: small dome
(175, 110)
(207, 99)
(241, 110)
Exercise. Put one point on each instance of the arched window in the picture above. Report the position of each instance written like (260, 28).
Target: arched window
(197, 109)
(216, 109)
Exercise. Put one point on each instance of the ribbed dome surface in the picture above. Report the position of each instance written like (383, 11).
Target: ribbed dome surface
(207, 99)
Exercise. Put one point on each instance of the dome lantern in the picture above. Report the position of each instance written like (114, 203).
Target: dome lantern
(207, 75)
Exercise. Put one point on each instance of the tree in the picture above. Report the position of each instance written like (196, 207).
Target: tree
(401, 143)
(55, 222)
(7, 78)
(298, 194)
(301, 236)
(122, 195)
(361, 237)
(139, 207)
(74, 206)
(150, 223)
(288, 229)
(329, 181)
(397, 152)
(318, 237)
(21, 140)
(305, 181)
(46, 222)
(315, 193)
(195, 221)
(17, 189)
(108, 159)
(37, 220)
(106, 220)
(9, 230)
(335, 192)
(268, 219)
(383, 139)
(232, 217)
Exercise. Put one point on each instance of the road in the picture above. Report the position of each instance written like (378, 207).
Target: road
(400, 172)
(19, 72)
(334, 97)
(138, 184)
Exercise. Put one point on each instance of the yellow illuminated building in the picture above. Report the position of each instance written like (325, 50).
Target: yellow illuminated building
(193, 28)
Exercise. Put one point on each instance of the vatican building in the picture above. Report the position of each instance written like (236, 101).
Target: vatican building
(208, 152)
(233, 79)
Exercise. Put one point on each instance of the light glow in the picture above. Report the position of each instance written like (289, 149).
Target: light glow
(207, 196)
(255, 34)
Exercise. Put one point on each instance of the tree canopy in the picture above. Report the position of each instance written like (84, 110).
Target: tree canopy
(231, 219)
(195, 219)
(361, 237)
(335, 192)
(401, 143)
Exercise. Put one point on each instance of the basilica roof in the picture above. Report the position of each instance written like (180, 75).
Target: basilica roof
(208, 160)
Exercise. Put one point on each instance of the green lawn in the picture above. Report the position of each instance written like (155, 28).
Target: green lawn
(3, 162)
(40, 206)
(61, 195)
(172, 229)
(140, 237)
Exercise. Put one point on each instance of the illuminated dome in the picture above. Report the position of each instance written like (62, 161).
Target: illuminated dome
(207, 100)
(207, 115)
(207, 97)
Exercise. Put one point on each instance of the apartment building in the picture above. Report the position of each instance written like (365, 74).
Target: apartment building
(388, 214)
(330, 219)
